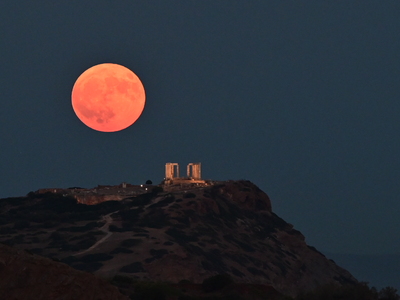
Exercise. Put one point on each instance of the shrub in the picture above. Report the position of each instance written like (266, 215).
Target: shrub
(4, 220)
(49, 224)
(189, 195)
(43, 216)
(89, 267)
(69, 260)
(180, 236)
(21, 224)
(56, 236)
(215, 283)
(388, 293)
(108, 206)
(163, 202)
(359, 291)
(114, 228)
(158, 253)
(89, 235)
(156, 190)
(130, 215)
(35, 239)
(153, 291)
(122, 279)
(132, 268)
(146, 235)
(36, 250)
(86, 243)
(77, 228)
(68, 247)
(57, 203)
(142, 199)
(7, 230)
(130, 242)
(155, 219)
(121, 250)
(96, 257)
(31, 195)
(128, 226)
(185, 281)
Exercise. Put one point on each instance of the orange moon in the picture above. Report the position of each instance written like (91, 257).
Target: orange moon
(108, 97)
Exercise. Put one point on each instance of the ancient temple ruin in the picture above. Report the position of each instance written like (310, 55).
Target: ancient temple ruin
(194, 171)
(193, 174)
(171, 171)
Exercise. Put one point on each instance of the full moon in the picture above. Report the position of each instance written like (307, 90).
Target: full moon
(108, 97)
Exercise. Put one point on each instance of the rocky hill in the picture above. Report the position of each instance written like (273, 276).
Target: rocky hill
(28, 276)
(172, 234)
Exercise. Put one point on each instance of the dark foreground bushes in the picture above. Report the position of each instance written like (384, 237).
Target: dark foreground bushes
(359, 291)
(216, 282)
(221, 286)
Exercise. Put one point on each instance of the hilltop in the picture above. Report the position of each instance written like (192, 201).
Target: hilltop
(170, 234)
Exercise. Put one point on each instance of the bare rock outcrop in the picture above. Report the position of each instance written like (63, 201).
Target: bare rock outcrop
(93, 199)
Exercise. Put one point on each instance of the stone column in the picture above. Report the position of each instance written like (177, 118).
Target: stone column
(197, 170)
(171, 171)
(194, 171)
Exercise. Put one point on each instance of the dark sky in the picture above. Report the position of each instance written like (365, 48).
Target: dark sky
(300, 98)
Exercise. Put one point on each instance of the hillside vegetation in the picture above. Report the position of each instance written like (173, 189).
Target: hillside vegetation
(180, 237)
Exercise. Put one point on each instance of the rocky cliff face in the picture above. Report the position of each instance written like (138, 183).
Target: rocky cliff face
(185, 233)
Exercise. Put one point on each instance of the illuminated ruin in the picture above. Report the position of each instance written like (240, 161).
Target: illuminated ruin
(171, 171)
(193, 174)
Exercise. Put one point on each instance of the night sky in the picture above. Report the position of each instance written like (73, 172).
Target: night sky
(300, 98)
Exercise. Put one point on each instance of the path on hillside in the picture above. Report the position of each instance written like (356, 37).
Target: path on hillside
(105, 229)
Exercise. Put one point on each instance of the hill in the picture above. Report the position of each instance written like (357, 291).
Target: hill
(171, 234)
(28, 276)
